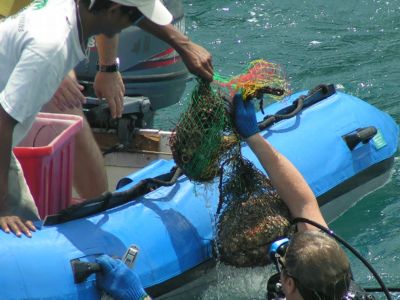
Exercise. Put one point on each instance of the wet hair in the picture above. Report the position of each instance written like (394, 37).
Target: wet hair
(318, 265)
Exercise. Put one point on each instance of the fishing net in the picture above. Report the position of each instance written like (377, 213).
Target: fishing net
(204, 131)
(202, 135)
(260, 77)
(205, 144)
(253, 215)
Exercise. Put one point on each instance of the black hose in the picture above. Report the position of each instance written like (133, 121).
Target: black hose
(350, 248)
(377, 290)
(110, 200)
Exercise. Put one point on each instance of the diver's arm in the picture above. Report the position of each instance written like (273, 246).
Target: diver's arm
(286, 179)
(288, 182)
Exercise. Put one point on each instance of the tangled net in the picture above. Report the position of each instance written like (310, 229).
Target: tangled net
(202, 134)
(204, 131)
(252, 214)
(261, 76)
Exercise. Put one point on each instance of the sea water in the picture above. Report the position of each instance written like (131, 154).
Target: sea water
(351, 43)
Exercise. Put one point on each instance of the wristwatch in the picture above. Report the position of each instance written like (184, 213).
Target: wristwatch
(108, 68)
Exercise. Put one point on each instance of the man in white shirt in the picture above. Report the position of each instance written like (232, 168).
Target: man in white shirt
(38, 47)
(88, 159)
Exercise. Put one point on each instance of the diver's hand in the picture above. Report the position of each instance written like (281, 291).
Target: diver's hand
(69, 94)
(17, 225)
(245, 116)
(197, 60)
(111, 87)
(118, 280)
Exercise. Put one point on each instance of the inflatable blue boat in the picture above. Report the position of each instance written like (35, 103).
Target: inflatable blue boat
(344, 147)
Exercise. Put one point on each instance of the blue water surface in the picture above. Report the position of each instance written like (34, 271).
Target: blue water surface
(354, 44)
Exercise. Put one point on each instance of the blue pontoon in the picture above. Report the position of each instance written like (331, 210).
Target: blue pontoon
(344, 147)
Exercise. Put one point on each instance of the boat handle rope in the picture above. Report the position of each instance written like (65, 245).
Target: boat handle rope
(315, 95)
(269, 120)
(112, 199)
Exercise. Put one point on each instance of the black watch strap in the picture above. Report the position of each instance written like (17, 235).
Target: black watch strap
(108, 68)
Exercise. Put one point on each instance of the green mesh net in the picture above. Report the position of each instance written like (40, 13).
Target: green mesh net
(202, 134)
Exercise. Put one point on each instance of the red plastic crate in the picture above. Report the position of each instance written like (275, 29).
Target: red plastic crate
(46, 155)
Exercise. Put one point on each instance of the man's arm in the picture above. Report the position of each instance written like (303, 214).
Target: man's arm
(69, 93)
(7, 125)
(8, 222)
(197, 59)
(109, 85)
(285, 178)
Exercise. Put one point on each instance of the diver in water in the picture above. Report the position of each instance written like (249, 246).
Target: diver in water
(314, 267)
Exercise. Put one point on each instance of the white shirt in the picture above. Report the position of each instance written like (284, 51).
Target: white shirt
(38, 47)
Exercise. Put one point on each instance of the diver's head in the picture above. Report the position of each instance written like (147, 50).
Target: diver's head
(314, 267)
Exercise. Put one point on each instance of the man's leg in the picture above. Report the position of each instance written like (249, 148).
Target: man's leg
(90, 177)
(20, 200)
